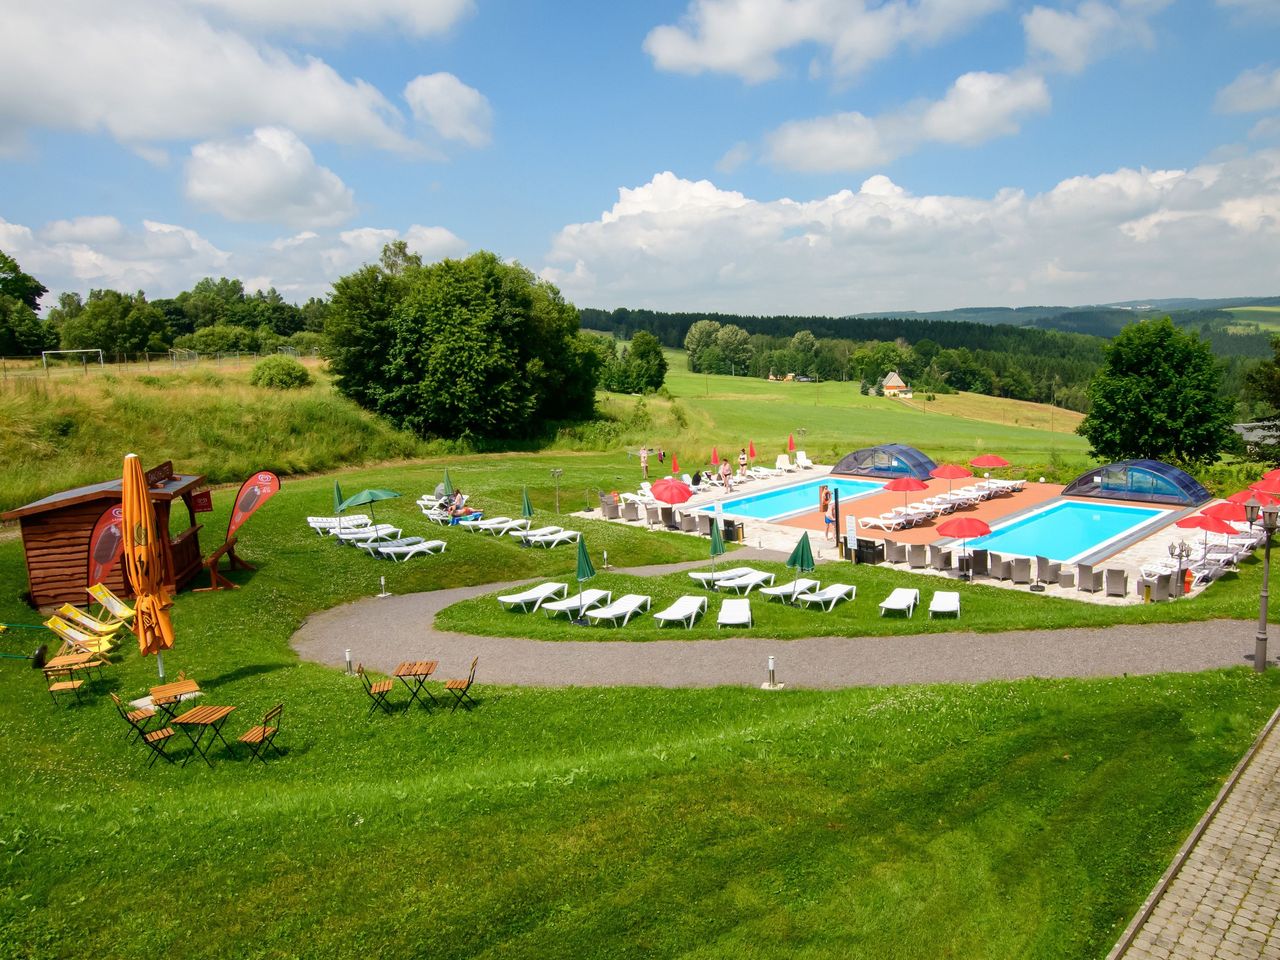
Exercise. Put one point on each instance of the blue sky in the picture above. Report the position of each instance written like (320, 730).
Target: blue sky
(824, 156)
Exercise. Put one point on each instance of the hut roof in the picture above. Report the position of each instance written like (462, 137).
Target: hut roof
(893, 380)
(170, 489)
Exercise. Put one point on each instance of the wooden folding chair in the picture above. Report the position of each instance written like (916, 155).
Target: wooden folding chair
(264, 734)
(460, 688)
(137, 719)
(377, 691)
(155, 741)
(64, 685)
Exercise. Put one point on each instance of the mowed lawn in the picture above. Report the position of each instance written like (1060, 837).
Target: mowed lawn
(1023, 819)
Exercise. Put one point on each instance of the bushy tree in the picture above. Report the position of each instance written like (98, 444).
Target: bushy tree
(734, 345)
(221, 338)
(116, 323)
(700, 338)
(1157, 397)
(280, 372)
(22, 332)
(647, 361)
(473, 347)
(21, 286)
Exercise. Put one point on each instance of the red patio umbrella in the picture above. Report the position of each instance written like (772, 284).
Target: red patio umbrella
(1206, 523)
(715, 457)
(751, 450)
(1244, 496)
(964, 528)
(670, 491)
(1226, 511)
(987, 461)
(675, 465)
(906, 485)
(791, 443)
(949, 472)
(1272, 476)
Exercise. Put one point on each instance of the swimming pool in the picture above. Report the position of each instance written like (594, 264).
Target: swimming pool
(792, 500)
(1067, 531)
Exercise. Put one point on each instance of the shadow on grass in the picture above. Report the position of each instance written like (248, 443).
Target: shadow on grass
(241, 673)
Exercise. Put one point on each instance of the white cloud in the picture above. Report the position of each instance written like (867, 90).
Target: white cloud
(1070, 40)
(978, 107)
(677, 244)
(734, 158)
(1252, 9)
(269, 176)
(744, 37)
(1251, 92)
(153, 70)
(418, 17)
(163, 259)
(453, 109)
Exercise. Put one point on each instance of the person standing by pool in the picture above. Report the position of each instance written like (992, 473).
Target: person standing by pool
(742, 462)
(829, 517)
(726, 476)
(644, 463)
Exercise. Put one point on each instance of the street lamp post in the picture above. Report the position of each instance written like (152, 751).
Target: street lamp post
(1270, 517)
(1181, 552)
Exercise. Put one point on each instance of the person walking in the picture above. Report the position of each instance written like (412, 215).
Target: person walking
(726, 476)
(644, 463)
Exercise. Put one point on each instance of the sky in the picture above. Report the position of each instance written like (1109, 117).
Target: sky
(749, 156)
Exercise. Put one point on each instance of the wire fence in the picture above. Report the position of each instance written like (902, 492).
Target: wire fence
(15, 372)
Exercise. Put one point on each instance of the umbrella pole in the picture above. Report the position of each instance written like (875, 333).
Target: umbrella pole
(160, 663)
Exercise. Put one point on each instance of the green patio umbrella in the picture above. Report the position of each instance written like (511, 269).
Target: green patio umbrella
(367, 497)
(585, 570)
(802, 556)
(337, 497)
(717, 542)
(448, 484)
(526, 508)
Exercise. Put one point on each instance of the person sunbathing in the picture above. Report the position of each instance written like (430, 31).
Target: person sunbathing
(458, 507)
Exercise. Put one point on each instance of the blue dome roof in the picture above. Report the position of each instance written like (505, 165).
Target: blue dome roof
(1149, 481)
(887, 461)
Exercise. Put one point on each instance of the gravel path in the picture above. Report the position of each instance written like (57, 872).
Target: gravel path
(382, 632)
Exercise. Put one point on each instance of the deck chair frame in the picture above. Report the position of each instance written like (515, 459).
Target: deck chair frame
(377, 692)
(258, 738)
(461, 689)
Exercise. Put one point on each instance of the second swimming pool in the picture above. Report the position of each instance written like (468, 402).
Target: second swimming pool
(1068, 530)
(792, 500)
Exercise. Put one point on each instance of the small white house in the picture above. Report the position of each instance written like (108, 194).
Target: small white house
(894, 386)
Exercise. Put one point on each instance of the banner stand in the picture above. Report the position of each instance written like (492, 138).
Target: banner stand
(216, 580)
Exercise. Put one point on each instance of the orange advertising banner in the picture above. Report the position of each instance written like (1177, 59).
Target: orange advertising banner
(254, 492)
(106, 543)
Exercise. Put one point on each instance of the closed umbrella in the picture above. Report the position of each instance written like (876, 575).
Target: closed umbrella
(751, 450)
(988, 461)
(337, 497)
(526, 508)
(369, 497)
(906, 485)
(791, 443)
(715, 457)
(448, 484)
(717, 541)
(585, 570)
(949, 472)
(144, 564)
(801, 559)
(675, 465)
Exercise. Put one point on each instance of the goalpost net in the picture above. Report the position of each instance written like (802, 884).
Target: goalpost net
(46, 354)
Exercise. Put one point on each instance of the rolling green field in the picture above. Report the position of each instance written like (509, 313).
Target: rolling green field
(1265, 319)
(1023, 819)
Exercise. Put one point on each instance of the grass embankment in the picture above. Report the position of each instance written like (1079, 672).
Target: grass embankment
(1000, 820)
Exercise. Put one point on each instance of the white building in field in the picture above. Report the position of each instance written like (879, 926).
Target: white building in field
(894, 386)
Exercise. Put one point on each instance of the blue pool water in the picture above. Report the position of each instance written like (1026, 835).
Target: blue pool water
(795, 499)
(1065, 531)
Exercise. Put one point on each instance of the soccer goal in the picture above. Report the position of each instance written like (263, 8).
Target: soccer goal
(46, 354)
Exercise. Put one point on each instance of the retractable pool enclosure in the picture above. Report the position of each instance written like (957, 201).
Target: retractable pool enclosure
(886, 461)
(1146, 481)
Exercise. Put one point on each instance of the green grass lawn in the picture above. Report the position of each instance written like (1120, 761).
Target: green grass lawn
(1024, 819)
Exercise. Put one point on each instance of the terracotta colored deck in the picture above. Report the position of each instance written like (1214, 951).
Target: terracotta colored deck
(989, 510)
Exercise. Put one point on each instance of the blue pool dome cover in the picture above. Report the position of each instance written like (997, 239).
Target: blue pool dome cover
(887, 461)
(1149, 481)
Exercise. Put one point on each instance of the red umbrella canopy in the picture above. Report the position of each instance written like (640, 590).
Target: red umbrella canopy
(905, 485)
(1244, 496)
(671, 491)
(791, 443)
(964, 527)
(987, 461)
(949, 471)
(1270, 488)
(751, 449)
(1206, 523)
(1272, 476)
(1226, 511)
(715, 457)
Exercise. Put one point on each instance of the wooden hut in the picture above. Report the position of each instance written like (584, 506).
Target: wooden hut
(56, 533)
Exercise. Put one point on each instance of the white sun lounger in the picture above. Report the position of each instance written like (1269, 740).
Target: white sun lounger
(527, 535)
(803, 461)
(624, 608)
(373, 546)
(555, 539)
(402, 553)
(903, 600)
(578, 604)
(744, 583)
(789, 591)
(686, 610)
(945, 601)
(472, 521)
(886, 521)
(534, 595)
(518, 525)
(827, 598)
(383, 531)
(708, 578)
(734, 613)
(327, 526)
(763, 473)
(784, 464)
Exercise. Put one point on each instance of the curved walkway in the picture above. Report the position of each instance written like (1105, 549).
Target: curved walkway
(383, 632)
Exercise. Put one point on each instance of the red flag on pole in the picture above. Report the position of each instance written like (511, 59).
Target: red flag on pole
(106, 543)
(254, 492)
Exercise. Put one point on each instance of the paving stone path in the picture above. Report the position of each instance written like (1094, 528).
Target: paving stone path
(1220, 900)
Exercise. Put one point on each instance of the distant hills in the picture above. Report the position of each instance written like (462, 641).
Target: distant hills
(1123, 311)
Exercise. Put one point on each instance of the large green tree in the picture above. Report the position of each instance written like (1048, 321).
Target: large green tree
(1157, 397)
(460, 348)
(22, 332)
(117, 324)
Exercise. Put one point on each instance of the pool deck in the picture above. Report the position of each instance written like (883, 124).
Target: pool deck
(779, 537)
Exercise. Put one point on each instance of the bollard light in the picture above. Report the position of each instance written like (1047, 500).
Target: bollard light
(606, 559)
(382, 592)
(348, 656)
(772, 682)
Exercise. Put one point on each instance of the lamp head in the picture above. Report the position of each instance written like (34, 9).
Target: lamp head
(1251, 508)
(1270, 516)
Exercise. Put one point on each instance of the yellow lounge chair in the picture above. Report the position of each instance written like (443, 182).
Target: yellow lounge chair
(111, 605)
(87, 621)
(81, 640)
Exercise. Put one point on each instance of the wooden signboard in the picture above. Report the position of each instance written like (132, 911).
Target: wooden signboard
(158, 475)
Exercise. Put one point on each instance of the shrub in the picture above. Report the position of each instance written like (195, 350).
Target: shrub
(280, 373)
